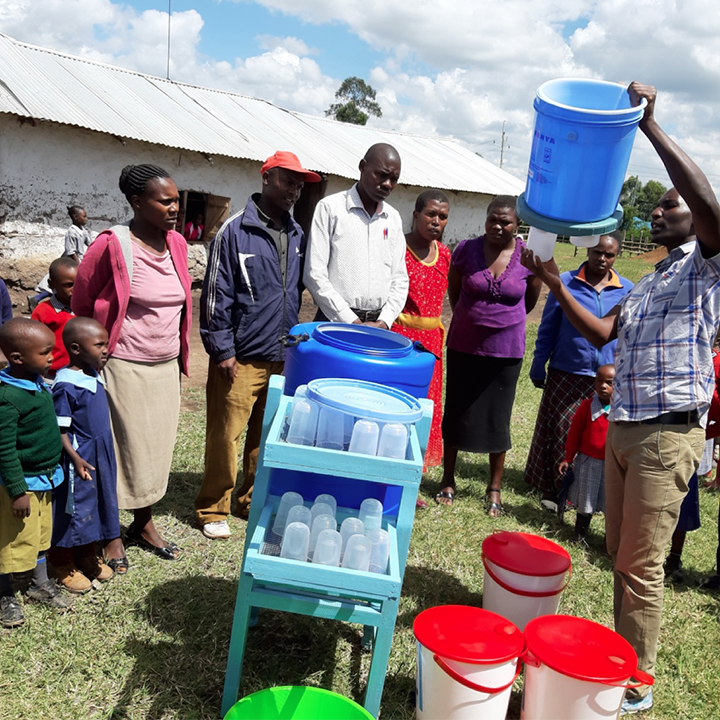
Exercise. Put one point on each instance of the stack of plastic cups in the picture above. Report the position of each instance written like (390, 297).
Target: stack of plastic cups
(350, 526)
(287, 501)
(370, 514)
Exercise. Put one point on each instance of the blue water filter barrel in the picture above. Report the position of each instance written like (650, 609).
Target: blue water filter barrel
(354, 352)
(583, 137)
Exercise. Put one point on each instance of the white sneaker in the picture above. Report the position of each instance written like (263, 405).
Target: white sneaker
(217, 530)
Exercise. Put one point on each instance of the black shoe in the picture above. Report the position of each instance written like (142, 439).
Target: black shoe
(710, 583)
(11, 612)
(673, 568)
(51, 595)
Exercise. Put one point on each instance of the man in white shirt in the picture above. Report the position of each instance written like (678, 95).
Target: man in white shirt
(355, 261)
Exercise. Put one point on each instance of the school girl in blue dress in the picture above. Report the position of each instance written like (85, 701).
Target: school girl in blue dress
(85, 508)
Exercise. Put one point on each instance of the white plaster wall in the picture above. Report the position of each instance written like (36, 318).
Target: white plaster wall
(44, 169)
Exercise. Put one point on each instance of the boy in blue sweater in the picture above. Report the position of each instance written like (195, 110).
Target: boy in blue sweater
(30, 451)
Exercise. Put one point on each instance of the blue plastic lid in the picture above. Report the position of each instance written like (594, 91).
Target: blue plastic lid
(363, 339)
(365, 399)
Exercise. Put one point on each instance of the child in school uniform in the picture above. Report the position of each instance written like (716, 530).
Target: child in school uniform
(585, 448)
(86, 506)
(30, 451)
(55, 311)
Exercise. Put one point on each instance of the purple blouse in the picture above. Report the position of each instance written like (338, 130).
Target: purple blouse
(489, 317)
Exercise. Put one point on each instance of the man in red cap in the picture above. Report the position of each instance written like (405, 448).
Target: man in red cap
(250, 298)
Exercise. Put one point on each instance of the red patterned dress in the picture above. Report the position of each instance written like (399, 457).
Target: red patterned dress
(420, 320)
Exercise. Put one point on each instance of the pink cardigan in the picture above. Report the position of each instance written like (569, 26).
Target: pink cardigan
(102, 286)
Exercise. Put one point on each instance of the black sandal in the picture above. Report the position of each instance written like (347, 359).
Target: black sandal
(445, 495)
(494, 509)
(118, 565)
(169, 552)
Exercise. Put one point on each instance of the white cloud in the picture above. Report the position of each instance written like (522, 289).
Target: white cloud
(450, 67)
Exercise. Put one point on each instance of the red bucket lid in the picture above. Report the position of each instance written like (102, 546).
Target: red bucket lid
(580, 648)
(526, 554)
(468, 634)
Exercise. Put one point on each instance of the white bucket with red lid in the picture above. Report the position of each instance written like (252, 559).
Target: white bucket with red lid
(525, 575)
(468, 659)
(576, 669)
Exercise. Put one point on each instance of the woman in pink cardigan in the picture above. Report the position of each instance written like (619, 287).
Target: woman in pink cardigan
(134, 279)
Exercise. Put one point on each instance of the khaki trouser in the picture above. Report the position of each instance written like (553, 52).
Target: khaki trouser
(232, 407)
(647, 469)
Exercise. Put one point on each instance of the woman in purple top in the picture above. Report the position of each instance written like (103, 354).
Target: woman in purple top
(490, 293)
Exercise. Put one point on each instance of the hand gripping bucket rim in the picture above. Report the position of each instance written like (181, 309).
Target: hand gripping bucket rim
(583, 650)
(295, 702)
(472, 636)
(616, 116)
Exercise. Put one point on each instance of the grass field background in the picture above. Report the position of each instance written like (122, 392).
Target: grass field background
(153, 644)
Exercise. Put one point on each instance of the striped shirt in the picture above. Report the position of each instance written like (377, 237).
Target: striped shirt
(666, 329)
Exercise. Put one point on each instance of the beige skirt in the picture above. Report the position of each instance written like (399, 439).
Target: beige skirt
(144, 401)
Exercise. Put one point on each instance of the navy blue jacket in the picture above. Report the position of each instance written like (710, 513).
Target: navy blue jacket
(244, 306)
(561, 344)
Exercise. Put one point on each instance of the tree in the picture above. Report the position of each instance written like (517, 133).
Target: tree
(638, 200)
(359, 100)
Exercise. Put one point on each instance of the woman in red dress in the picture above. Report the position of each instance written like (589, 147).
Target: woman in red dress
(428, 262)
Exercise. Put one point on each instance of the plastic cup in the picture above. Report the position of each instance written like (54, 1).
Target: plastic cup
(295, 542)
(328, 500)
(365, 437)
(288, 500)
(350, 526)
(330, 429)
(348, 425)
(321, 508)
(371, 511)
(586, 241)
(380, 551)
(299, 513)
(303, 423)
(327, 548)
(357, 553)
(320, 523)
(393, 441)
(300, 392)
(541, 243)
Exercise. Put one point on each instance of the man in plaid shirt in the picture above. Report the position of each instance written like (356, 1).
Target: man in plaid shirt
(665, 329)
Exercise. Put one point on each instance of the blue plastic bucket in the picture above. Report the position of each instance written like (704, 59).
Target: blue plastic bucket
(583, 137)
(356, 352)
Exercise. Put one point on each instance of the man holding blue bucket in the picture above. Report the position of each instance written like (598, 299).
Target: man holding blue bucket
(665, 329)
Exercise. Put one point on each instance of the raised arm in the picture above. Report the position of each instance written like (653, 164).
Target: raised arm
(597, 331)
(688, 179)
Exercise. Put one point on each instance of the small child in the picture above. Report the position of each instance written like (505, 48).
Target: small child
(30, 451)
(86, 506)
(77, 238)
(586, 446)
(55, 311)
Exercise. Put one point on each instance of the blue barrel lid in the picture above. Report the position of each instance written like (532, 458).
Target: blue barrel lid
(365, 399)
(363, 339)
(598, 100)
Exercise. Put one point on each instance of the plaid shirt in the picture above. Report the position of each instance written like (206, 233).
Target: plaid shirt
(666, 329)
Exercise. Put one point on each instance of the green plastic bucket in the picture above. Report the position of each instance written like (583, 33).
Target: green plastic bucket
(296, 703)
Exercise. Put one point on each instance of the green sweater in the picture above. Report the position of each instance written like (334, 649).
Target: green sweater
(29, 436)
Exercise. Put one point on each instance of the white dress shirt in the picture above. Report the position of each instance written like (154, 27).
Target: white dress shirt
(354, 260)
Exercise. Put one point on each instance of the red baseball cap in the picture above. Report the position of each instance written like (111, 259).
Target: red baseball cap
(289, 161)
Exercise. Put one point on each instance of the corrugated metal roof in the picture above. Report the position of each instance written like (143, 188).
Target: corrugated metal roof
(47, 85)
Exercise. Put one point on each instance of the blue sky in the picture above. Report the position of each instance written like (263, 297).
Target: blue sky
(454, 68)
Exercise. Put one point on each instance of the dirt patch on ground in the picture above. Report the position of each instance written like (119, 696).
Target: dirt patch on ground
(654, 256)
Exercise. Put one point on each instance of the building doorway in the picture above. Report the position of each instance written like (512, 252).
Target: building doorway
(201, 215)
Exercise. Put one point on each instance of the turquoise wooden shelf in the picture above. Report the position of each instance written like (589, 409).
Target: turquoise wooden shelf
(271, 582)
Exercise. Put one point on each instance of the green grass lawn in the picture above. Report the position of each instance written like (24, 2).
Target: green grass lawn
(153, 644)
